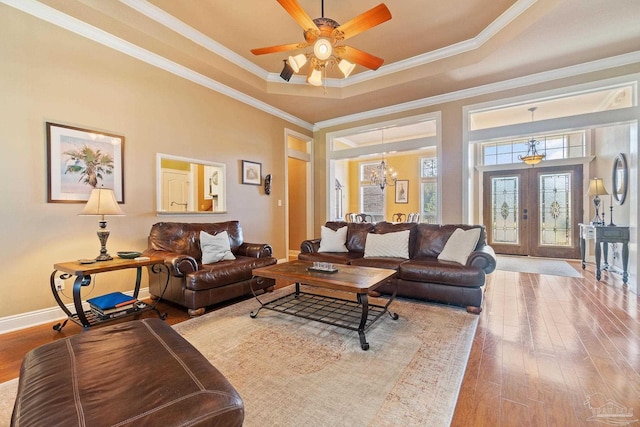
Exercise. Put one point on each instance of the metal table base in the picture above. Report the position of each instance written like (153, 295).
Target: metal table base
(353, 315)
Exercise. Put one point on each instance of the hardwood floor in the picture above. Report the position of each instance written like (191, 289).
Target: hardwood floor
(544, 346)
(547, 344)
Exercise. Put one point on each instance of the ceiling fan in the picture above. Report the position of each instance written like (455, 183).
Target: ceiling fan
(326, 36)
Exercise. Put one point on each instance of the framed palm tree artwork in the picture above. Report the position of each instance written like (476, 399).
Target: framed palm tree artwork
(79, 160)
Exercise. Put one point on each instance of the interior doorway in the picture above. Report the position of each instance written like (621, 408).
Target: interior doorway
(299, 199)
(534, 211)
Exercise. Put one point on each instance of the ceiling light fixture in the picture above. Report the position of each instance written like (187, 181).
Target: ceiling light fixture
(325, 37)
(382, 175)
(532, 157)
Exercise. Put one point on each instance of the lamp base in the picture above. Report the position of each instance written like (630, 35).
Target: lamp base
(596, 219)
(103, 235)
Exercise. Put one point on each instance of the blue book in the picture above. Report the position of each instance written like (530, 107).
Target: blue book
(112, 300)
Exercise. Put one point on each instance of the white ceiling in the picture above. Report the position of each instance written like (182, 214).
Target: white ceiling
(430, 47)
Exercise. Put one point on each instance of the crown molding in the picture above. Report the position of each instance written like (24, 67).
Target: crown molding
(90, 32)
(543, 77)
(53, 16)
(153, 12)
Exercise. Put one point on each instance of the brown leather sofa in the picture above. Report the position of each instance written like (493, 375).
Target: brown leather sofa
(422, 276)
(195, 285)
(138, 373)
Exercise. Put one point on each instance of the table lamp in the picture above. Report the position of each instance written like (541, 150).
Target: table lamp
(596, 189)
(102, 201)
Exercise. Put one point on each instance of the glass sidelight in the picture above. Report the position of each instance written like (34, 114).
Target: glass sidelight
(504, 209)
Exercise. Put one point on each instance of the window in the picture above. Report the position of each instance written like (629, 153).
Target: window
(429, 189)
(614, 97)
(562, 146)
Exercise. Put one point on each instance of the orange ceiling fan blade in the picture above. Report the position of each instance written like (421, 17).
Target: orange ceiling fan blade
(359, 57)
(363, 22)
(298, 14)
(280, 48)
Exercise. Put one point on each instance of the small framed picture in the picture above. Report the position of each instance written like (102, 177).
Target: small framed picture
(79, 160)
(402, 191)
(251, 173)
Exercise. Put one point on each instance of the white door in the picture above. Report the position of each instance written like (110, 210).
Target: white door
(175, 186)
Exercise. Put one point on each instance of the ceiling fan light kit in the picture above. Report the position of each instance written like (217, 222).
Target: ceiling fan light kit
(322, 49)
(297, 62)
(315, 77)
(324, 36)
(346, 67)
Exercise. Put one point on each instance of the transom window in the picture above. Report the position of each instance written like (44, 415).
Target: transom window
(555, 147)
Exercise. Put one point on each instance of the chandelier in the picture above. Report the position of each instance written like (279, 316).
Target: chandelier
(532, 157)
(381, 175)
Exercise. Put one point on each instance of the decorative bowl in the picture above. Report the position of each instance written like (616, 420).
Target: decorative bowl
(129, 254)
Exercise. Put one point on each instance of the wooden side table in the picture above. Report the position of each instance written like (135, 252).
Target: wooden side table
(603, 235)
(83, 273)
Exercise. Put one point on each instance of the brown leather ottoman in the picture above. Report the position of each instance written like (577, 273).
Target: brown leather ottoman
(135, 373)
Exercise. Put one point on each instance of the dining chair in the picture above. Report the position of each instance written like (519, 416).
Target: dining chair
(398, 217)
(363, 217)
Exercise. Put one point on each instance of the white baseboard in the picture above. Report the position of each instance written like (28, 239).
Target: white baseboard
(46, 315)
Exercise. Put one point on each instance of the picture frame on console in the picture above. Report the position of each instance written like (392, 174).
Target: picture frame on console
(79, 160)
(251, 173)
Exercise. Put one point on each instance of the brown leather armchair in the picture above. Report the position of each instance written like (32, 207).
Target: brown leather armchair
(195, 285)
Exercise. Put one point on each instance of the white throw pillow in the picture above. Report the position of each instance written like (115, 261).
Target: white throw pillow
(393, 245)
(215, 248)
(333, 241)
(460, 245)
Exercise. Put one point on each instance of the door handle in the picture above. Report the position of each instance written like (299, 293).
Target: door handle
(524, 213)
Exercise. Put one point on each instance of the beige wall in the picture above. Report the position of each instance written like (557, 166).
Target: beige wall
(50, 74)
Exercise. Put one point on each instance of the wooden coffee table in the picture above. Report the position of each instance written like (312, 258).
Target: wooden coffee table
(354, 315)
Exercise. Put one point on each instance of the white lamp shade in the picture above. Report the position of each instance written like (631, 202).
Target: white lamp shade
(322, 49)
(297, 62)
(315, 78)
(346, 67)
(102, 201)
(596, 187)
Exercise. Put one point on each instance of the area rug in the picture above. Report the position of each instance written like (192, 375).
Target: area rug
(524, 264)
(294, 372)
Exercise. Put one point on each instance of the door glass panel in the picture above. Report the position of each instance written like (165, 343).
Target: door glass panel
(504, 209)
(555, 209)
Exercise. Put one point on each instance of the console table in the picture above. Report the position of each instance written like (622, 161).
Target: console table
(83, 272)
(603, 235)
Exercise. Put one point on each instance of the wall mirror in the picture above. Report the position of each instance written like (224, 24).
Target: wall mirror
(620, 178)
(190, 186)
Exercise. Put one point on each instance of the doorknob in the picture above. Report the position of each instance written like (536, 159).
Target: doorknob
(524, 213)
